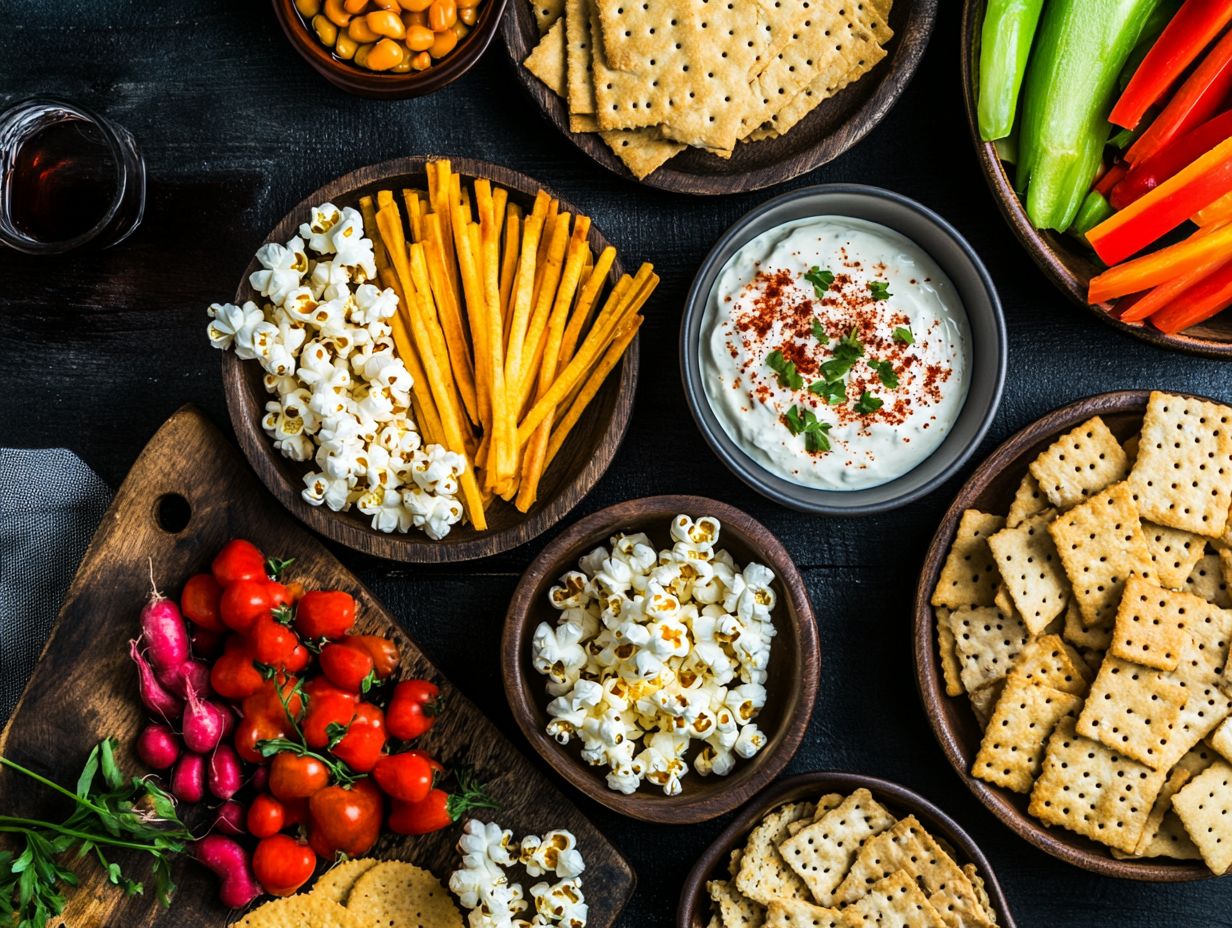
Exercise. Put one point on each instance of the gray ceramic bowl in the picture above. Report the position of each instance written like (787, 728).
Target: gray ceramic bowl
(987, 358)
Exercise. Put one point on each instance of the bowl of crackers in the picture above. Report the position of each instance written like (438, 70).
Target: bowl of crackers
(1072, 631)
(841, 850)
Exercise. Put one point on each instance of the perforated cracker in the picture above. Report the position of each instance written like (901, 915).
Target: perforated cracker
(336, 882)
(951, 668)
(579, 58)
(785, 913)
(735, 910)
(1171, 840)
(1012, 750)
(822, 852)
(1029, 500)
(1221, 739)
(1100, 543)
(1132, 709)
(397, 893)
(1183, 475)
(1094, 791)
(643, 151)
(764, 876)
(893, 902)
(987, 643)
(1151, 624)
(298, 911)
(984, 700)
(1177, 778)
(970, 577)
(822, 88)
(1209, 582)
(1076, 632)
(1079, 464)
(1174, 552)
(547, 13)
(1050, 661)
(1031, 571)
(1204, 807)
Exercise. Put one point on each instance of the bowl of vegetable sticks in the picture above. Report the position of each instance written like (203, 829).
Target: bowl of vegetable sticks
(478, 255)
(1104, 129)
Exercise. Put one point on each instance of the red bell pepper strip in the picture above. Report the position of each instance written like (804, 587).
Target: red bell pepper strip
(1166, 207)
(1203, 94)
(1186, 36)
(1156, 268)
(1149, 174)
(1218, 212)
(1197, 304)
(1145, 305)
(1110, 179)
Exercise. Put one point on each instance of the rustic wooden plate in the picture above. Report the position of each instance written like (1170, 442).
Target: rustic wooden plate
(1069, 266)
(185, 496)
(582, 460)
(794, 671)
(991, 489)
(695, 902)
(823, 135)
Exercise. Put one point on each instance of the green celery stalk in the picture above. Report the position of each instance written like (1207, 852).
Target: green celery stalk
(1070, 87)
(1095, 209)
(1005, 45)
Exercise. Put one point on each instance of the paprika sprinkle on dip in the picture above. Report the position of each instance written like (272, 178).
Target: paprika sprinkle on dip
(835, 352)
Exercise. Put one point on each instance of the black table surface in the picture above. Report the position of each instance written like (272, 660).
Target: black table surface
(98, 350)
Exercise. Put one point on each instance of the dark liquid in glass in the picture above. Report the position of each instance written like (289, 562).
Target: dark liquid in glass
(64, 180)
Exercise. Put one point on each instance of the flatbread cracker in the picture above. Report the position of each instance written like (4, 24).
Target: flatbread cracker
(1051, 662)
(1079, 464)
(822, 88)
(1209, 582)
(336, 882)
(795, 913)
(579, 58)
(1204, 807)
(1151, 624)
(397, 893)
(547, 13)
(987, 643)
(764, 876)
(1132, 709)
(951, 668)
(1031, 571)
(1221, 739)
(984, 701)
(301, 910)
(969, 576)
(1174, 552)
(1171, 840)
(1177, 778)
(1029, 500)
(1012, 750)
(734, 909)
(1075, 631)
(893, 902)
(547, 59)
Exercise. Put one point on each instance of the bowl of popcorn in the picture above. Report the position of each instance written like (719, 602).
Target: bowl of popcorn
(662, 656)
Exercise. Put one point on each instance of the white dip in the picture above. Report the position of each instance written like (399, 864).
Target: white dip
(826, 380)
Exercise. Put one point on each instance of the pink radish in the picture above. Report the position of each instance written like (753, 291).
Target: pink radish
(158, 699)
(164, 630)
(204, 723)
(188, 778)
(223, 774)
(181, 676)
(230, 863)
(230, 818)
(158, 746)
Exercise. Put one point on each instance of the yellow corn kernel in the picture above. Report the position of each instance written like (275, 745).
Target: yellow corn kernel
(461, 30)
(326, 31)
(468, 15)
(361, 55)
(421, 62)
(345, 47)
(385, 54)
(336, 14)
(308, 8)
(445, 42)
(403, 67)
(419, 38)
(385, 23)
(442, 14)
(359, 31)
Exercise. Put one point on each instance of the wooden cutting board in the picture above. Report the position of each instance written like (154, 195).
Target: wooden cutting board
(186, 495)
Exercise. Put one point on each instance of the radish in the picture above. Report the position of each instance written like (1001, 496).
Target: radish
(158, 699)
(158, 746)
(230, 818)
(188, 778)
(204, 723)
(164, 630)
(223, 775)
(182, 675)
(230, 863)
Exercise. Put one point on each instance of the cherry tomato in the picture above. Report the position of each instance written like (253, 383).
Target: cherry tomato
(282, 865)
(346, 819)
(324, 614)
(407, 776)
(347, 667)
(413, 709)
(267, 701)
(437, 767)
(361, 746)
(266, 816)
(205, 643)
(439, 808)
(293, 776)
(299, 658)
(243, 602)
(327, 706)
(279, 594)
(272, 642)
(238, 560)
(251, 731)
(384, 653)
(199, 602)
(233, 675)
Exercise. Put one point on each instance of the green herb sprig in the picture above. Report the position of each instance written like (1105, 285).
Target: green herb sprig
(821, 280)
(805, 422)
(868, 403)
(788, 375)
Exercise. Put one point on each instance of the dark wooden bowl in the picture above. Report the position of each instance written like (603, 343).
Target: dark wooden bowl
(582, 460)
(695, 903)
(991, 489)
(795, 662)
(1064, 261)
(354, 79)
(827, 132)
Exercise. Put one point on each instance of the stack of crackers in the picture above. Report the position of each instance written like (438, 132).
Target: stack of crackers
(654, 76)
(847, 862)
(1090, 629)
(362, 893)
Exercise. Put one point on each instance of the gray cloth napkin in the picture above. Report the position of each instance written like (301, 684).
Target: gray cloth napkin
(50, 505)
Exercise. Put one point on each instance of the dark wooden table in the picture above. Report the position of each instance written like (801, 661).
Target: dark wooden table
(97, 350)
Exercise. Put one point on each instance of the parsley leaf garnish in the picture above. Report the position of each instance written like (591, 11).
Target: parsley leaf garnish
(868, 403)
(885, 371)
(821, 280)
(788, 376)
(803, 421)
(846, 353)
(817, 441)
(903, 334)
(833, 391)
(819, 332)
(880, 290)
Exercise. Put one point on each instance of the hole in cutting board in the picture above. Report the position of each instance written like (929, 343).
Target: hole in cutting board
(172, 513)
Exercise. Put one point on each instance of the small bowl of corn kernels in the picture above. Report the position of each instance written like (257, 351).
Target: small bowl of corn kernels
(390, 48)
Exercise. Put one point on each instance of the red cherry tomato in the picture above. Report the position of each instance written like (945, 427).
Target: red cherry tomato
(346, 819)
(324, 614)
(272, 642)
(384, 653)
(279, 594)
(413, 709)
(293, 776)
(238, 560)
(361, 746)
(233, 675)
(299, 658)
(347, 667)
(249, 734)
(420, 818)
(266, 816)
(327, 706)
(199, 601)
(282, 865)
(243, 602)
(407, 776)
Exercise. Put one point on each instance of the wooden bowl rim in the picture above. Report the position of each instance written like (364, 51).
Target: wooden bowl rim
(246, 409)
(523, 687)
(693, 895)
(1073, 849)
(1042, 247)
(521, 34)
(385, 84)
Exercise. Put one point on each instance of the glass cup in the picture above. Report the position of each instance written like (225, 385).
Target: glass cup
(68, 178)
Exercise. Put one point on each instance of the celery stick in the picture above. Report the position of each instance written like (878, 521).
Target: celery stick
(1005, 44)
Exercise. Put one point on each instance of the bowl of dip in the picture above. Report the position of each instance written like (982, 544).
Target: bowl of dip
(843, 350)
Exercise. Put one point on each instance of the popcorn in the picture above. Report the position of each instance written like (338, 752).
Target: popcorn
(230, 322)
(282, 269)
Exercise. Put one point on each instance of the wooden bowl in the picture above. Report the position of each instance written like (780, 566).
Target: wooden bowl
(362, 82)
(823, 135)
(795, 661)
(694, 908)
(991, 489)
(1062, 260)
(582, 460)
